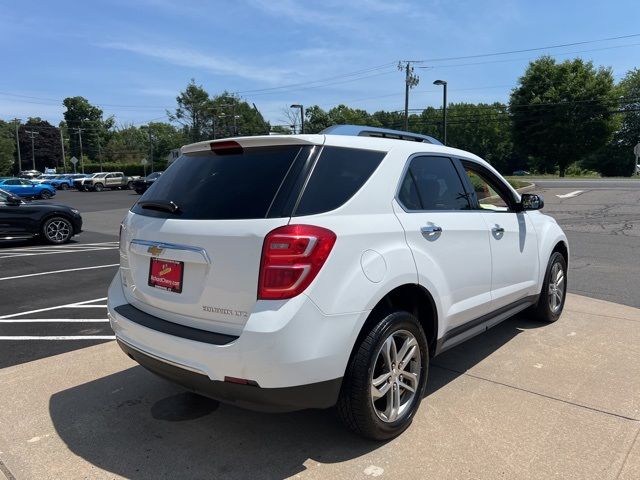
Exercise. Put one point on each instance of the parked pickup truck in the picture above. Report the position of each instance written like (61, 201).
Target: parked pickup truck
(99, 181)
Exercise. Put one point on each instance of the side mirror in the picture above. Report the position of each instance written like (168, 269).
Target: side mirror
(13, 200)
(531, 201)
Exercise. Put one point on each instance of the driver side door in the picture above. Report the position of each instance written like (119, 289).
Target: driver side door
(14, 219)
(513, 239)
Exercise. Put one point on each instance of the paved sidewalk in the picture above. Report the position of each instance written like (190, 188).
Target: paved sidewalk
(523, 401)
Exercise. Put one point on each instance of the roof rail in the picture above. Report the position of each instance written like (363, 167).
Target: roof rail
(365, 131)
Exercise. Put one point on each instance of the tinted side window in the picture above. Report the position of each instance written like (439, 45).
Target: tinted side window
(432, 183)
(338, 175)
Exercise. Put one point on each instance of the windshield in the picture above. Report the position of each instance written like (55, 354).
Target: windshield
(204, 185)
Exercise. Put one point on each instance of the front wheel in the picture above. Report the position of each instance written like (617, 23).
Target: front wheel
(130, 186)
(57, 230)
(98, 187)
(554, 290)
(386, 378)
(45, 195)
(64, 186)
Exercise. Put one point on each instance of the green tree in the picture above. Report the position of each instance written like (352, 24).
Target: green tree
(233, 117)
(316, 119)
(482, 129)
(7, 148)
(126, 145)
(80, 113)
(46, 145)
(194, 112)
(281, 130)
(561, 112)
(165, 137)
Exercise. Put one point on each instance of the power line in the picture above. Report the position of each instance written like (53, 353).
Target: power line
(548, 47)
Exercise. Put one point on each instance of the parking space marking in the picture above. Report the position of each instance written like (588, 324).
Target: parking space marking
(87, 306)
(63, 247)
(48, 309)
(57, 249)
(59, 271)
(571, 195)
(63, 337)
(55, 320)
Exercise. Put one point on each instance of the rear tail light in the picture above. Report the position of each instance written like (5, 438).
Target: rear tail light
(292, 256)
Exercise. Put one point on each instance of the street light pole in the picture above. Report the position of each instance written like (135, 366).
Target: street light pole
(32, 134)
(444, 109)
(297, 105)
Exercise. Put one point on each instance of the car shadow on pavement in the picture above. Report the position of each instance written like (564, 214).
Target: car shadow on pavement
(139, 426)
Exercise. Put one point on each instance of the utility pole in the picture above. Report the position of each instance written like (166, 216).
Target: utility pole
(64, 162)
(99, 152)
(151, 148)
(32, 134)
(235, 119)
(410, 80)
(17, 122)
(79, 133)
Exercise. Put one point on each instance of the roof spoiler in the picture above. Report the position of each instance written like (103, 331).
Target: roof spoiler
(365, 131)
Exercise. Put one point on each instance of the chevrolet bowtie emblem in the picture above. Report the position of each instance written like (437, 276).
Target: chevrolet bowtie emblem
(155, 250)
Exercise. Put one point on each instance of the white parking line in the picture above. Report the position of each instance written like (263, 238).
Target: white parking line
(55, 252)
(64, 247)
(20, 314)
(59, 271)
(571, 195)
(63, 337)
(87, 306)
(55, 320)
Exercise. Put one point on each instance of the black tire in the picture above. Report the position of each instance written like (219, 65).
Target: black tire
(98, 187)
(139, 191)
(355, 405)
(64, 186)
(45, 195)
(57, 230)
(544, 310)
(130, 186)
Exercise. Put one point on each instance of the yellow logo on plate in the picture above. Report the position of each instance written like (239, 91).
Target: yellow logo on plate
(162, 273)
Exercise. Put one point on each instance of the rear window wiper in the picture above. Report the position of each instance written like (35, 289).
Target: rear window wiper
(161, 205)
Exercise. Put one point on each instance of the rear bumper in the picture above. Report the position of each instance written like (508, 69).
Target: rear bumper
(253, 397)
(294, 353)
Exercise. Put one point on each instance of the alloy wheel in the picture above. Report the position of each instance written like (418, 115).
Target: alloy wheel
(556, 287)
(395, 377)
(58, 230)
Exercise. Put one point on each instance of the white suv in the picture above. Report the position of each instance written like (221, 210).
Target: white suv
(306, 271)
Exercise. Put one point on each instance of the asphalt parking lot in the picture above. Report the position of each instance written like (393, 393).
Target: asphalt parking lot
(53, 297)
(521, 401)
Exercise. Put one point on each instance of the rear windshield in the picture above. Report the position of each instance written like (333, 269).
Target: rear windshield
(206, 186)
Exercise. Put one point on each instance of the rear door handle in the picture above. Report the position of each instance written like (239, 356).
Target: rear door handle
(431, 230)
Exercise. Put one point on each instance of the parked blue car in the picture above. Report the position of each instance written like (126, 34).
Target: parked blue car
(61, 182)
(27, 188)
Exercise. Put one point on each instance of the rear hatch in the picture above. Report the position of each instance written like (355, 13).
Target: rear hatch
(191, 246)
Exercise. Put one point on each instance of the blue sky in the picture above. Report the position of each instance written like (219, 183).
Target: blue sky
(132, 57)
